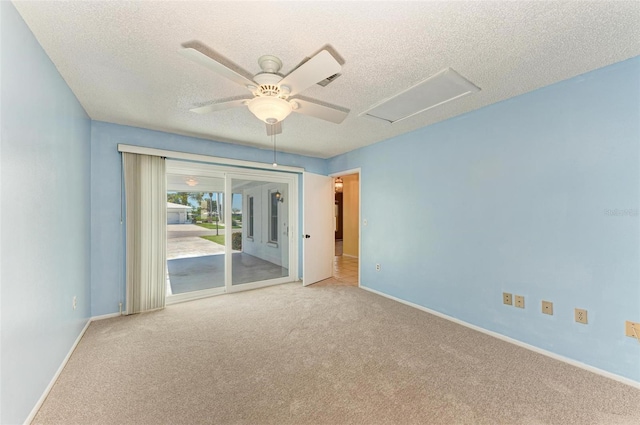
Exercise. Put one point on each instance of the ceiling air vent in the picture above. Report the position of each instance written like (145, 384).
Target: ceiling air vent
(440, 88)
(326, 81)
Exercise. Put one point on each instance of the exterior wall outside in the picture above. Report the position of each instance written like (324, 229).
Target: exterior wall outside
(259, 245)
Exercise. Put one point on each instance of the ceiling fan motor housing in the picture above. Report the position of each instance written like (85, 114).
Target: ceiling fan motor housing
(269, 63)
(268, 84)
(269, 90)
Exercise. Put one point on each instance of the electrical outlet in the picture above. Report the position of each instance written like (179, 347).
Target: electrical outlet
(519, 301)
(506, 298)
(547, 307)
(632, 329)
(378, 267)
(581, 316)
(75, 302)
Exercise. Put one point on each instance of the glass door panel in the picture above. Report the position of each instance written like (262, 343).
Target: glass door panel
(195, 233)
(260, 238)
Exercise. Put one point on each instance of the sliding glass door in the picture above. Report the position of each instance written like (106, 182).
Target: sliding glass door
(228, 229)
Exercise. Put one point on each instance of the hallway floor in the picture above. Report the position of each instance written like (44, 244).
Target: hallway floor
(345, 268)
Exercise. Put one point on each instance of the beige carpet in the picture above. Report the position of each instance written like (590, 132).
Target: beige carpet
(318, 355)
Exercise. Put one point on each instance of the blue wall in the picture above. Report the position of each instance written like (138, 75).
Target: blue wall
(107, 237)
(45, 223)
(520, 197)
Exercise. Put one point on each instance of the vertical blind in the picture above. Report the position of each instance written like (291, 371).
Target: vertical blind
(146, 214)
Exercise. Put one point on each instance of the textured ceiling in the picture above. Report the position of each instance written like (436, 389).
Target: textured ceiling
(121, 60)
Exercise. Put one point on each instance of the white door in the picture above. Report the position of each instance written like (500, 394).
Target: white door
(318, 236)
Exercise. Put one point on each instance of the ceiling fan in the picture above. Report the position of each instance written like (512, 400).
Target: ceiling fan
(272, 93)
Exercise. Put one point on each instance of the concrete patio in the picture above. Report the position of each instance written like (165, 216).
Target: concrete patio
(194, 263)
(184, 241)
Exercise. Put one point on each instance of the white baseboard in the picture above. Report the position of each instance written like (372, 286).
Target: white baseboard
(538, 350)
(38, 405)
(44, 395)
(35, 409)
(105, 316)
(555, 356)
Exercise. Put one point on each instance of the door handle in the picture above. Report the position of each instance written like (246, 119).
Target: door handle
(307, 236)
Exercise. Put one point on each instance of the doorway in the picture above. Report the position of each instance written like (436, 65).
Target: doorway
(347, 228)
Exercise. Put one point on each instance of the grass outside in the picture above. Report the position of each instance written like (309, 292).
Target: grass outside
(210, 226)
(219, 239)
(236, 240)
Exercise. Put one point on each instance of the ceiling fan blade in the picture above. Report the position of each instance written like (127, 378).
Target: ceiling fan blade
(215, 66)
(326, 113)
(316, 69)
(274, 128)
(219, 106)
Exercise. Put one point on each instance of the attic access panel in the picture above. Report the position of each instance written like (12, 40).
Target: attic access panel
(436, 90)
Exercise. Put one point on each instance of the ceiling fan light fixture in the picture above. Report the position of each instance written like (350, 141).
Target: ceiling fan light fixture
(268, 108)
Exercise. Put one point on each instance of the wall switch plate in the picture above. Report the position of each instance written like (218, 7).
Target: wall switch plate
(581, 316)
(519, 301)
(506, 298)
(632, 329)
(547, 307)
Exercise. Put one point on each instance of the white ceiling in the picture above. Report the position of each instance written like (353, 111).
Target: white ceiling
(121, 60)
